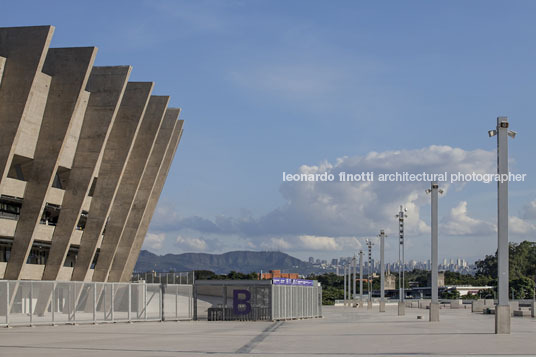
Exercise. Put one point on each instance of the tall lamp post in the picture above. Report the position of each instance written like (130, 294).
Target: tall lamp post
(344, 285)
(401, 215)
(369, 275)
(361, 277)
(434, 304)
(502, 310)
(354, 290)
(349, 281)
(382, 271)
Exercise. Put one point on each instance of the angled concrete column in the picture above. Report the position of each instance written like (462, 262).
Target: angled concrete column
(129, 183)
(70, 69)
(25, 50)
(2, 66)
(144, 192)
(153, 200)
(106, 85)
(116, 153)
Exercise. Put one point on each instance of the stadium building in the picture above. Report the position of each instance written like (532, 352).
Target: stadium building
(84, 155)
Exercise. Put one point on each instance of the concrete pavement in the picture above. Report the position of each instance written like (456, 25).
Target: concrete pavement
(342, 332)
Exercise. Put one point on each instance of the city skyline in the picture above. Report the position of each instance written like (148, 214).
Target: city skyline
(446, 264)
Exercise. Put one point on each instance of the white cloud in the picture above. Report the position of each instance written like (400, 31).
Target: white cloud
(323, 215)
(274, 244)
(154, 240)
(318, 243)
(458, 223)
(360, 208)
(529, 210)
(188, 243)
(517, 225)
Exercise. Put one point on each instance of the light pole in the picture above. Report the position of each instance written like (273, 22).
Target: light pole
(361, 277)
(369, 275)
(382, 271)
(345, 285)
(502, 310)
(354, 291)
(434, 304)
(401, 215)
(349, 281)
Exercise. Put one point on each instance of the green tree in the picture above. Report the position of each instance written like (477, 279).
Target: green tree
(522, 268)
(522, 287)
(450, 294)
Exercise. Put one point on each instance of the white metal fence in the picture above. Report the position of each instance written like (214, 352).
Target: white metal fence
(186, 277)
(294, 302)
(252, 300)
(52, 302)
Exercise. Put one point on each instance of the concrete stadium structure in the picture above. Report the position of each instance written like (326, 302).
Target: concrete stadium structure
(84, 155)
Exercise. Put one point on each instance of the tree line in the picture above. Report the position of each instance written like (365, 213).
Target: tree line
(522, 277)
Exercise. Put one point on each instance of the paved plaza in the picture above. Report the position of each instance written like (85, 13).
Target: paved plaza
(342, 332)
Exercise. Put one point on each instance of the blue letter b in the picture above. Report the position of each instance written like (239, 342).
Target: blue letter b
(238, 301)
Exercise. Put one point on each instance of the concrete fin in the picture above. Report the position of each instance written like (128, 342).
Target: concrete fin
(153, 200)
(106, 85)
(24, 49)
(143, 193)
(70, 68)
(129, 184)
(116, 153)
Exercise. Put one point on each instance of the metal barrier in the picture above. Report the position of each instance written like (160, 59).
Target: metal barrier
(27, 303)
(187, 277)
(253, 300)
(296, 302)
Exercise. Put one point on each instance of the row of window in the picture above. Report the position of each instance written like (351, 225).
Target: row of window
(10, 208)
(39, 254)
(21, 167)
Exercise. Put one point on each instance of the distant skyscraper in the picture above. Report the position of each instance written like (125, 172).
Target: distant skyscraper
(334, 261)
(311, 260)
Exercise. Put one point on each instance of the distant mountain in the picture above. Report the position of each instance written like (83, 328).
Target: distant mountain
(240, 261)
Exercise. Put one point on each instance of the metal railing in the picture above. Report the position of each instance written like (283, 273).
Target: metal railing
(27, 303)
(296, 302)
(251, 300)
(164, 277)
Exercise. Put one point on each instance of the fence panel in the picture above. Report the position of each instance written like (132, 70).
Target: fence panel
(295, 302)
(26, 303)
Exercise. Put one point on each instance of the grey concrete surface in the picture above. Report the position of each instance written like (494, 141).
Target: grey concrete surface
(106, 85)
(342, 332)
(130, 181)
(115, 156)
(401, 308)
(143, 193)
(434, 312)
(153, 200)
(24, 49)
(70, 69)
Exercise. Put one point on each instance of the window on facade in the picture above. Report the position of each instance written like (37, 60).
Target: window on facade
(82, 221)
(10, 207)
(38, 254)
(51, 214)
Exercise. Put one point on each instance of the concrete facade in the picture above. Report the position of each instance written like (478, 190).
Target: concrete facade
(84, 155)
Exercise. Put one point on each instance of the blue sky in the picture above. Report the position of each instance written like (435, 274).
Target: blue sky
(269, 86)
